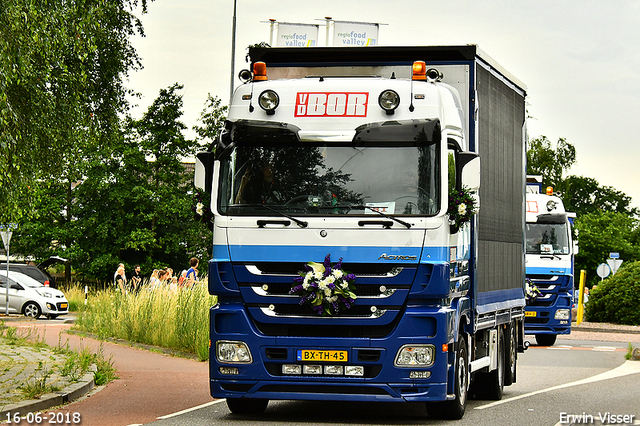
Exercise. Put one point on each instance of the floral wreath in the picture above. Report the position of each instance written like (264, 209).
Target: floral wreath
(462, 206)
(201, 212)
(328, 289)
(531, 291)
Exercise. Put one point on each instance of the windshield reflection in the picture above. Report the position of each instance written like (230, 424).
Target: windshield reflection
(331, 180)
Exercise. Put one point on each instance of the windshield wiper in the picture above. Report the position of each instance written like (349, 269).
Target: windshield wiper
(300, 223)
(373, 209)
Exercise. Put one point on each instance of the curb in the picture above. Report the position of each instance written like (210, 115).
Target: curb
(603, 330)
(68, 394)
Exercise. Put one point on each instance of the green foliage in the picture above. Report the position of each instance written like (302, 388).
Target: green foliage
(601, 233)
(616, 299)
(543, 159)
(62, 68)
(583, 195)
(212, 117)
(131, 200)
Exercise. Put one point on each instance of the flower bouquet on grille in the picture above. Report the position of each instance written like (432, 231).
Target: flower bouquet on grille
(327, 289)
(531, 291)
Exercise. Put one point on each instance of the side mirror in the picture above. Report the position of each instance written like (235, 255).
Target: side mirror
(469, 170)
(16, 287)
(204, 171)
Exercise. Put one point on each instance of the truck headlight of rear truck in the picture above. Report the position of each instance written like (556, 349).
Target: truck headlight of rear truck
(563, 314)
(231, 352)
(415, 356)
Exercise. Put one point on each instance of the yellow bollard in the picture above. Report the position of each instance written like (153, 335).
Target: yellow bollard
(583, 278)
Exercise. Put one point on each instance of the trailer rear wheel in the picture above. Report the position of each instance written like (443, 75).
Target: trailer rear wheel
(546, 339)
(247, 406)
(490, 385)
(511, 354)
(455, 408)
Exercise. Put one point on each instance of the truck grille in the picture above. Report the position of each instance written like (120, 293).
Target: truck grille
(382, 290)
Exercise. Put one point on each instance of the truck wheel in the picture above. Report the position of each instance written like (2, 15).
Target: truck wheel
(32, 310)
(247, 406)
(546, 339)
(454, 409)
(511, 354)
(494, 380)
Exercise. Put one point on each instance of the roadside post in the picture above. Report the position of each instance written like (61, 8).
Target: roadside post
(583, 279)
(7, 231)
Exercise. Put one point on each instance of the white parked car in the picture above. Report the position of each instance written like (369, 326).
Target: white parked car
(30, 297)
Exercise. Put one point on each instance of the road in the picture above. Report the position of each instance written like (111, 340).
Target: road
(574, 377)
(581, 378)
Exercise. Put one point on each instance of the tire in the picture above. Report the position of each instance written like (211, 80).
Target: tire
(32, 310)
(546, 339)
(490, 385)
(454, 409)
(247, 406)
(511, 355)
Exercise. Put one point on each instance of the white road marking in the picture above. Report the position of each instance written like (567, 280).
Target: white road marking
(191, 409)
(629, 367)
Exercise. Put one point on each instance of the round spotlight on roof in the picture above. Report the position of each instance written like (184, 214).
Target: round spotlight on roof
(269, 101)
(389, 101)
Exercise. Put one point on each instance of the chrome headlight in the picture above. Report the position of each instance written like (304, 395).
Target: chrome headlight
(389, 101)
(269, 101)
(233, 352)
(415, 356)
(563, 314)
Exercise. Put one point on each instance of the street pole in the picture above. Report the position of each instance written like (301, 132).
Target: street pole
(233, 51)
(6, 239)
(7, 283)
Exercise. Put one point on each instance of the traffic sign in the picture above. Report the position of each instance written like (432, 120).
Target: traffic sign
(603, 270)
(614, 264)
(614, 255)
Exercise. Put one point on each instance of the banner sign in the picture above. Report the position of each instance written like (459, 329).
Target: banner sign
(355, 33)
(297, 35)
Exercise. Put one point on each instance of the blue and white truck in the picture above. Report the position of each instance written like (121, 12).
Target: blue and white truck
(549, 263)
(341, 164)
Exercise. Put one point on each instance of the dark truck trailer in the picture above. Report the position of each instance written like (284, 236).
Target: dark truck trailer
(441, 305)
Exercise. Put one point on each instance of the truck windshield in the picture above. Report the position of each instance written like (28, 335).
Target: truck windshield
(330, 179)
(547, 238)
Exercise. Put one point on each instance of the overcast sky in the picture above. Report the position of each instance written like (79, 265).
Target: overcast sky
(580, 59)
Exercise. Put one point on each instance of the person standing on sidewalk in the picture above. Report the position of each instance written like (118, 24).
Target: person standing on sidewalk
(192, 272)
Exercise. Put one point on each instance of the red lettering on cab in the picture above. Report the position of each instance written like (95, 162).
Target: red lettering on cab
(331, 104)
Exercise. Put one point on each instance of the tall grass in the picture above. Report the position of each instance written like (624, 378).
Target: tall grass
(172, 319)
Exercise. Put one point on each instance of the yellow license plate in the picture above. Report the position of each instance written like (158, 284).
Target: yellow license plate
(530, 313)
(322, 356)
(63, 306)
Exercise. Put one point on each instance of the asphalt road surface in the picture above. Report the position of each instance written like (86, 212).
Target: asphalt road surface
(575, 381)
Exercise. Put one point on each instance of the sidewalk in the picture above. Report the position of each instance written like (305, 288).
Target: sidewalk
(29, 367)
(150, 384)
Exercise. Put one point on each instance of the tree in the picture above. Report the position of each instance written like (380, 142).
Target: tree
(600, 233)
(584, 195)
(137, 200)
(543, 159)
(212, 118)
(62, 70)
